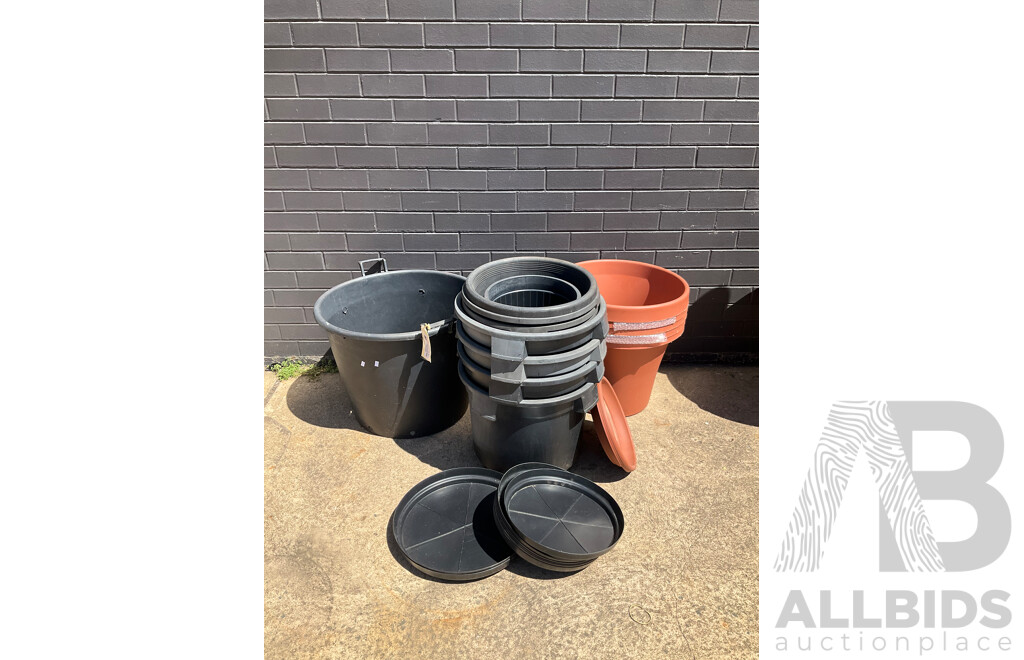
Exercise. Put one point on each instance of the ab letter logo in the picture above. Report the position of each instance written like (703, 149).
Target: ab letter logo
(882, 430)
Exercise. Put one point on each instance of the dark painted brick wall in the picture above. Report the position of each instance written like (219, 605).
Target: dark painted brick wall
(446, 133)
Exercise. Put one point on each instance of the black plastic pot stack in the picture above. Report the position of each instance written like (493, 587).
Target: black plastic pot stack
(531, 334)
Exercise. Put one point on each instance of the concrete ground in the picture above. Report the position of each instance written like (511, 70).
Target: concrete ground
(681, 583)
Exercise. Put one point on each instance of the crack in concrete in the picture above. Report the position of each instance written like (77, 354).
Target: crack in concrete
(273, 388)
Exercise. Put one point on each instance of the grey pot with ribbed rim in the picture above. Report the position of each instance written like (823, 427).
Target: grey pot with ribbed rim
(531, 290)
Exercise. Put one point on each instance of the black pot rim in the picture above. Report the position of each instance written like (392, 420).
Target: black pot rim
(486, 275)
(435, 327)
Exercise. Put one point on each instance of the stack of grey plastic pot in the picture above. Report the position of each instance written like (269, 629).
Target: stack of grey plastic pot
(531, 343)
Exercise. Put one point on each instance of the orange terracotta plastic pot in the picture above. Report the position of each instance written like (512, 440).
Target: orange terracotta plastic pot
(647, 308)
(631, 371)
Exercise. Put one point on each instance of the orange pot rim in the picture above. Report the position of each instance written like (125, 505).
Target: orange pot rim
(634, 312)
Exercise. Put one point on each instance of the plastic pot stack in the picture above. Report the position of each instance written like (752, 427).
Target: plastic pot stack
(531, 334)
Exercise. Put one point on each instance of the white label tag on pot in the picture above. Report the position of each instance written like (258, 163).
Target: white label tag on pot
(425, 333)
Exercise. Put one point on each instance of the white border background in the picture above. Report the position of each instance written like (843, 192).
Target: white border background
(890, 257)
(132, 489)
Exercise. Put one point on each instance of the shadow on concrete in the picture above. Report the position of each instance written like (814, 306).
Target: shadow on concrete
(325, 402)
(730, 393)
(523, 568)
(591, 461)
(450, 448)
(322, 401)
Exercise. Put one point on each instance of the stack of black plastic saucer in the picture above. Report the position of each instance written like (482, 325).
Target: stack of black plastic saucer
(555, 519)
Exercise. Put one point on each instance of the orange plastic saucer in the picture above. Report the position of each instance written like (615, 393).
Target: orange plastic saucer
(612, 428)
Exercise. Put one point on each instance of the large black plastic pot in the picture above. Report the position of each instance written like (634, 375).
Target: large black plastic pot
(541, 430)
(538, 288)
(374, 327)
